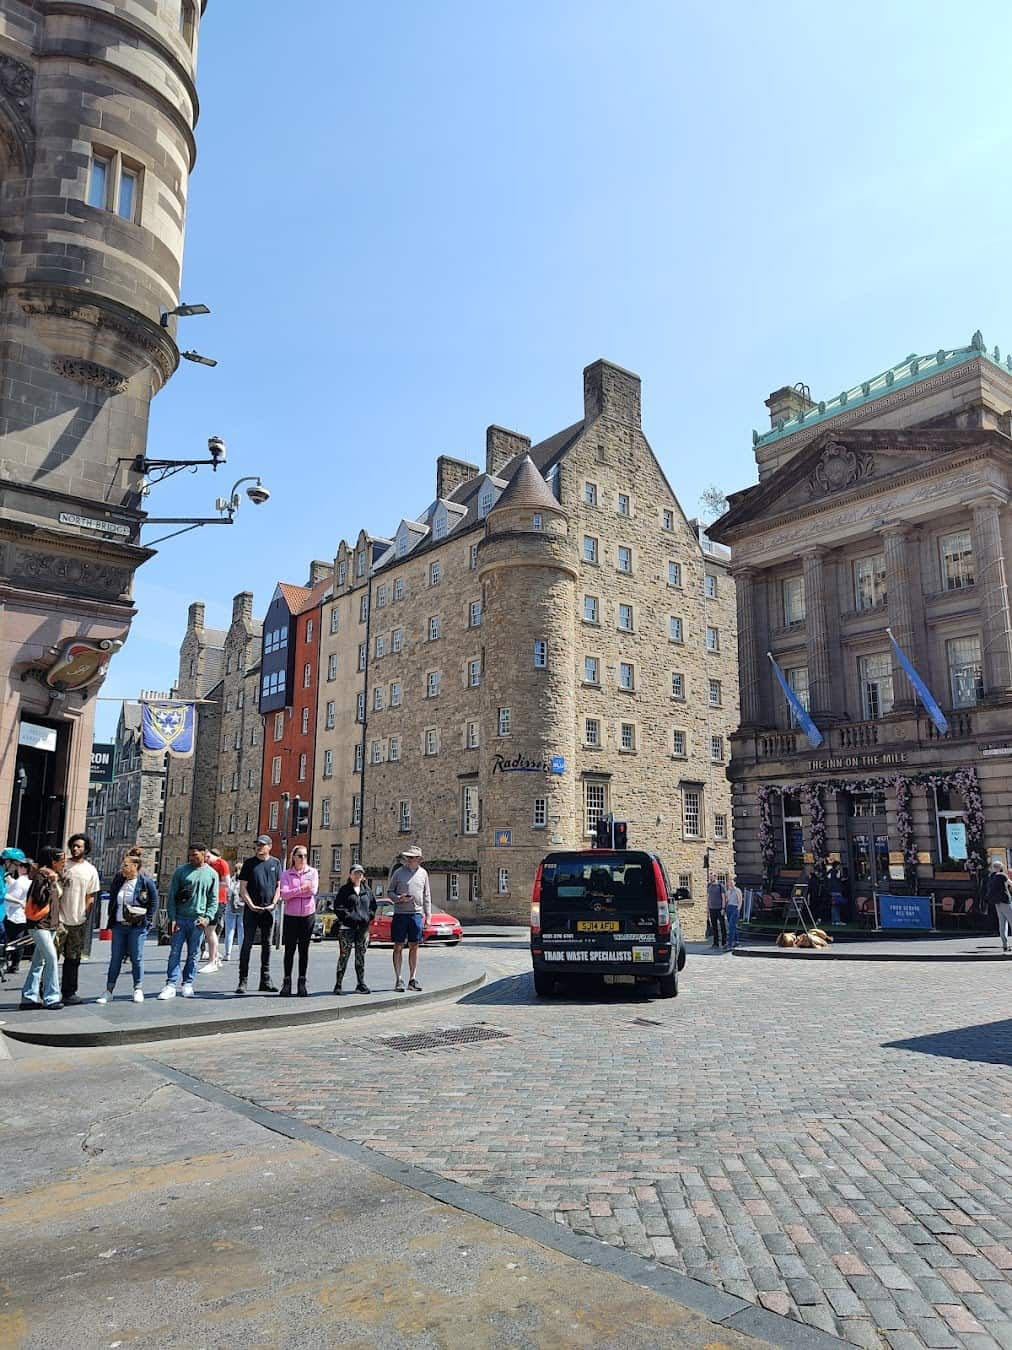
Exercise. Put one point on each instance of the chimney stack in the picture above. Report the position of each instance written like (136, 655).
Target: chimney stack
(788, 403)
(196, 615)
(242, 607)
(319, 571)
(452, 473)
(501, 446)
(609, 391)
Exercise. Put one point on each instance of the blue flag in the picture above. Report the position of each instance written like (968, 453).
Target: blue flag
(168, 726)
(923, 692)
(815, 737)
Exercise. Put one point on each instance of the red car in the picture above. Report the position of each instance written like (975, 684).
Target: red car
(439, 928)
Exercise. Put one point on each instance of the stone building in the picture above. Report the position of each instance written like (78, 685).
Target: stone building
(97, 110)
(548, 642)
(127, 812)
(885, 508)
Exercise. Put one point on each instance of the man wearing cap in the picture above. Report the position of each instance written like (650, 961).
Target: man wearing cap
(260, 888)
(355, 908)
(409, 890)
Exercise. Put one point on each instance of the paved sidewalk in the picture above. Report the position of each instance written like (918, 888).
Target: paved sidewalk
(216, 1009)
(930, 947)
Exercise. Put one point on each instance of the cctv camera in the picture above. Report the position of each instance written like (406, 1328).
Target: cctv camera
(258, 494)
(217, 448)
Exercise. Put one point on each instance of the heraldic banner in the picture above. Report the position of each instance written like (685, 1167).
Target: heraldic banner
(168, 726)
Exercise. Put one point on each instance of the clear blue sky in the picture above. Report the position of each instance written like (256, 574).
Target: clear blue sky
(412, 219)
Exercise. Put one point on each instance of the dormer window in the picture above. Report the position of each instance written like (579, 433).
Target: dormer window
(485, 502)
(439, 529)
(402, 545)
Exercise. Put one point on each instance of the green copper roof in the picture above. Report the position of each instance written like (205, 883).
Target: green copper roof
(900, 376)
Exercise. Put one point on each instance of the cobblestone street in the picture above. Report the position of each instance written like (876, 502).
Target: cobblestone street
(830, 1142)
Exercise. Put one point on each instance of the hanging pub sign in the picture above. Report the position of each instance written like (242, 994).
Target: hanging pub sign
(75, 664)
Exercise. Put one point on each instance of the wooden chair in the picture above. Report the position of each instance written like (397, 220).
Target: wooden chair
(866, 911)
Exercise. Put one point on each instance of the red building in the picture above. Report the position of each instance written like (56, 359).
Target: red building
(289, 676)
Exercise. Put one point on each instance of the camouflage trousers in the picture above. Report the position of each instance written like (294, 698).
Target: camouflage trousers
(357, 937)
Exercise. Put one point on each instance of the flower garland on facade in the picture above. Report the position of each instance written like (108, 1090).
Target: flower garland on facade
(963, 781)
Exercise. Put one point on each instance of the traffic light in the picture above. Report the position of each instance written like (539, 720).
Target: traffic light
(620, 834)
(300, 817)
(602, 833)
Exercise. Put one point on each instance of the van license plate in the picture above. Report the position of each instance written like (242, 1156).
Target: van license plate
(596, 926)
(620, 979)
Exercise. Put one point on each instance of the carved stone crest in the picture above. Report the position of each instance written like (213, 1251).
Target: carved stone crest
(89, 372)
(16, 85)
(839, 467)
(79, 576)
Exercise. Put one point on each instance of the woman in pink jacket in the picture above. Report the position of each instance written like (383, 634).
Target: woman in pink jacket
(299, 884)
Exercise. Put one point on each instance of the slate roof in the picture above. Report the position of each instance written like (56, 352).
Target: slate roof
(527, 489)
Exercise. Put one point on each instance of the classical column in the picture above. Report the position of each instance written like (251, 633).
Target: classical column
(819, 672)
(748, 664)
(992, 583)
(895, 539)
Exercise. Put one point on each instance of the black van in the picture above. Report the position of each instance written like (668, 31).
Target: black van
(605, 913)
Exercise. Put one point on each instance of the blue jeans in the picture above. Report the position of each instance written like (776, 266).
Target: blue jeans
(44, 968)
(127, 940)
(190, 932)
(233, 928)
(732, 925)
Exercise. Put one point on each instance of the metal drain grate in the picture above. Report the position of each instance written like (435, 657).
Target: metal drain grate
(442, 1038)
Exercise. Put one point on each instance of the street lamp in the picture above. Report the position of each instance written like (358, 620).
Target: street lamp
(198, 359)
(228, 506)
(182, 312)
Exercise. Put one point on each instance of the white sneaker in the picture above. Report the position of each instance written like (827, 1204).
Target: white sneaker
(208, 968)
(138, 995)
(187, 991)
(168, 992)
(104, 998)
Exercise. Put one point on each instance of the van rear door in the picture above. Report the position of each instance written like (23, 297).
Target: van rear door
(598, 908)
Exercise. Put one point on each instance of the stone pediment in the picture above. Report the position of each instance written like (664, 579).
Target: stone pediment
(841, 465)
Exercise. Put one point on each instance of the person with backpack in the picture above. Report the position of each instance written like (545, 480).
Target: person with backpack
(42, 912)
(233, 918)
(354, 909)
(999, 894)
(133, 905)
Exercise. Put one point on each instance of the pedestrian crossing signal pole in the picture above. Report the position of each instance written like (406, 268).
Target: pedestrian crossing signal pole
(286, 807)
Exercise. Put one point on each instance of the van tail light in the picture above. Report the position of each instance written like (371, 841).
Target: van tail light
(536, 904)
(663, 912)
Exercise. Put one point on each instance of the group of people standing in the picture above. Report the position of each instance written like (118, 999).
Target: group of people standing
(723, 909)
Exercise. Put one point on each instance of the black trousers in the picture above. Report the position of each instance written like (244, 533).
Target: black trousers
(12, 932)
(297, 931)
(257, 926)
(718, 924)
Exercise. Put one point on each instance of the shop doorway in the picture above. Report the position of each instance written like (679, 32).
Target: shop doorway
(38, 800)
(868, 842)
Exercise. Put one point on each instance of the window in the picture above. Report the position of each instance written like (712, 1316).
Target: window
(536, 522)
(797, 678)
(626, 675)
(623, 504)
(539, 818)
(360, 706)
(186, 21)
(870, 582)
(471, 735)
(589, 549)
(431, 741)
(375, 752)
(675, 628)
(363, 652)
(302, 767)
(472, 558)
(395, 694)
(273, 684)
(279, 726)
(114, 185)
(380, 648)
(358, 757)
(432, 684)
(332, 666)
(276, 770)
(328, 763)
(307, 675)
(590, 494)
(502, 881)
(720, 827)
(966, 679)
(713, 639)
(240, 700)
(381, 597)
(504, 722)
(473, 674)
(275, 641)
(717, 749)
(668, 519)
(335, 858)
(309, 630)
(330, 720)
(397, 639)
(624, 559)
(958, 566)
(335, 620)
(794, 834)
(453, 889)
(594, 804)
(439, 530)
(678, 744)
(377, 698)
(627, 736)
(402, 545)
(540, 655)
(685, 882)
(360, 564)
(394, 749)
(356, 809)
(591, 731)
(625, 618)
(691, 812)
(314, 857)
(435, 573)
(793, 592)
(875, 674)
(434, 628)
(474, 614)
(590, 609)
(356, 855)
(591, 670)
(714, 693)
(363, 608)
(674, 574)
(250, 775)
(399, 589)
(342, 573)
(485, 502)
(228, 703)
(469, 809)
(273, 817)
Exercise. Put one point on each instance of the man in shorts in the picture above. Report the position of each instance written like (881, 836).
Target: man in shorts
(409, 890)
